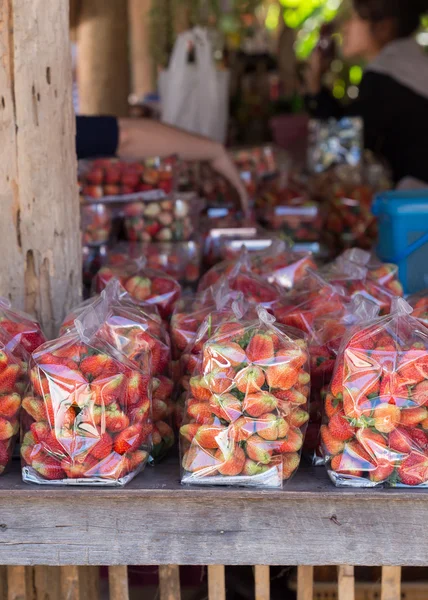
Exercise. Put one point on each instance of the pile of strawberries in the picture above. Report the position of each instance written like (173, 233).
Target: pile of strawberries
(113, 177)
(419, 303)
(376, 429)
(143, 284)
(246, 407)
(88, 415)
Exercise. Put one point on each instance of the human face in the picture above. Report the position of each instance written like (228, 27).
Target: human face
(358, 39)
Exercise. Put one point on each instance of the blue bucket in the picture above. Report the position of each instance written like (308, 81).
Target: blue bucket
(403, 235)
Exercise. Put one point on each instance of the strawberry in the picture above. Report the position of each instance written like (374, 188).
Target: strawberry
(292, 396)
(420, 439)
(220, 381)
(226, 407)
(129, 439)
(103, 447)
(200, 412)
(222, 356)
(252, 468)
(292, 442)
(332, 405)
(250, 379)
(159, 410)
(298, 417)
(4, 455)
(414, 469)
(48, 467)
(115, 419)
(232, 461)
(281, 375)
(39, 382)
(208, 436)
(29, 448)
(199, 388)
(410, 417)
(115, 466)
(259, 449)
(258, 404)
(260, 350)
(270, 427)
(4, 360)
(9, 405)
(331, 445)
(373, 443)
(386, 417)
(340, 427)
(199, 460)
(420, 393)
(8, 378)
(140, 288)
(140, 412)
(97, 365)
(242, 429)
(6, 429)
(166, 432)
(290, 464)
(336, 385)
(136, 459)
(137, 388)
(108, 390)
(164, 388)
(189, 431)
(384, 469)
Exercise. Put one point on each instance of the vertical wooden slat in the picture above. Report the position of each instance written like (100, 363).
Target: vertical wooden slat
(216, 582)
(346, 582)
(391, 583)
(3, 582)
(46, 583)
(70, 583)
(89, 578)
(305, 583)
(16, 583)
(118, 583)
(169, 582)
(262, 582)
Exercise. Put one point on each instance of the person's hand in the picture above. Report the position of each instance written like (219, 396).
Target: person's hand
(313, 73)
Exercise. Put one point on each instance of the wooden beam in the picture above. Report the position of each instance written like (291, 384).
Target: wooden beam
(40, 269)
(118, 583)
(142, 68)
(391, 583)
(346, 582)
(216, 582)
(305, 583)
(102, 57)
(169, 582)
(262, 582)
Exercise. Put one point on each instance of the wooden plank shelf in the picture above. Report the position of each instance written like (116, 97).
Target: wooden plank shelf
(156, 521)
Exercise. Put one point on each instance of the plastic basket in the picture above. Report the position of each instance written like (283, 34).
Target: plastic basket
(403, 235)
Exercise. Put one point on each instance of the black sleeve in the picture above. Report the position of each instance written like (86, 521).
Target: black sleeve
(96, 136)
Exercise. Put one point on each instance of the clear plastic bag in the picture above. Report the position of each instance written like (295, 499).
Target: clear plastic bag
(376, 429)
(21, 329)
(419, 303)
(88, 417)
(385, 274)
(142, 283)
(96, 224)
(246, 407)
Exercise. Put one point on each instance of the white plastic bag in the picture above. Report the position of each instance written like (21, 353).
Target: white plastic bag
(195, 96)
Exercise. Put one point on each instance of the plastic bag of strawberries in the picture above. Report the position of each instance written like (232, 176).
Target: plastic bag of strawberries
(21, 329)
(246, 408)
(419, 303)
(385, 274)
(325, 339)
(142, 283)
(132, 330)
(376, 429)
(88, 418)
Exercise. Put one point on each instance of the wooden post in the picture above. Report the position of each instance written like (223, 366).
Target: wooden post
(40, 267)
(102, 57)
(141, 63)
(118, 582)
(169, 582)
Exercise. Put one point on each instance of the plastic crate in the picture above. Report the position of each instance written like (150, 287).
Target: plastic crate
(403, 235)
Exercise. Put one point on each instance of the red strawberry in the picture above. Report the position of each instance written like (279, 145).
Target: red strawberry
(259, 449)
(250, 379)
(223, 356)
(420, 439)
(98, 365)
(270, 427)
(48, 467)
(298, 417)
(129, 439)
(386, 417)
(39, 382)
(189, 431)
(374, 443)
(413, 416)
(231, 462)
(292, 442)
(251, 468)
(292, 396)
(200, 412)
(336, 385)
(9, 405)
(414, 469)
(340, 427)
(290, 464)
(226, 407)
(199, 388)
(420, 393)
(159, 410)
(163, 389)
(219, 381)
(281, 375)
(400, 440)
(207, 436)
(140, 288)
(136, 459)
(242, 429)
(382, 472)
(137, 388)
(331, 444)
(115, 419)
(4, 455)
(108, 390)
(198, 460)
(8, 378)
(260, 350)
(258, 404)
(6, 429)
(331, 405)
(166, 433)
(103, 447)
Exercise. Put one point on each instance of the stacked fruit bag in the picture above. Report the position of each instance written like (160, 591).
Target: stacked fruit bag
(87, 419)
(142, 283)
(324, 343)
(419, 303)
(246, 408)
(133, 329)
(19, 335)
(376, 430)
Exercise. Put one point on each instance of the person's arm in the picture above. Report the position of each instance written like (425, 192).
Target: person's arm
(143, 138)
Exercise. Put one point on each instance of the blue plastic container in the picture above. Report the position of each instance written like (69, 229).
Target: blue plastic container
(403, 235)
